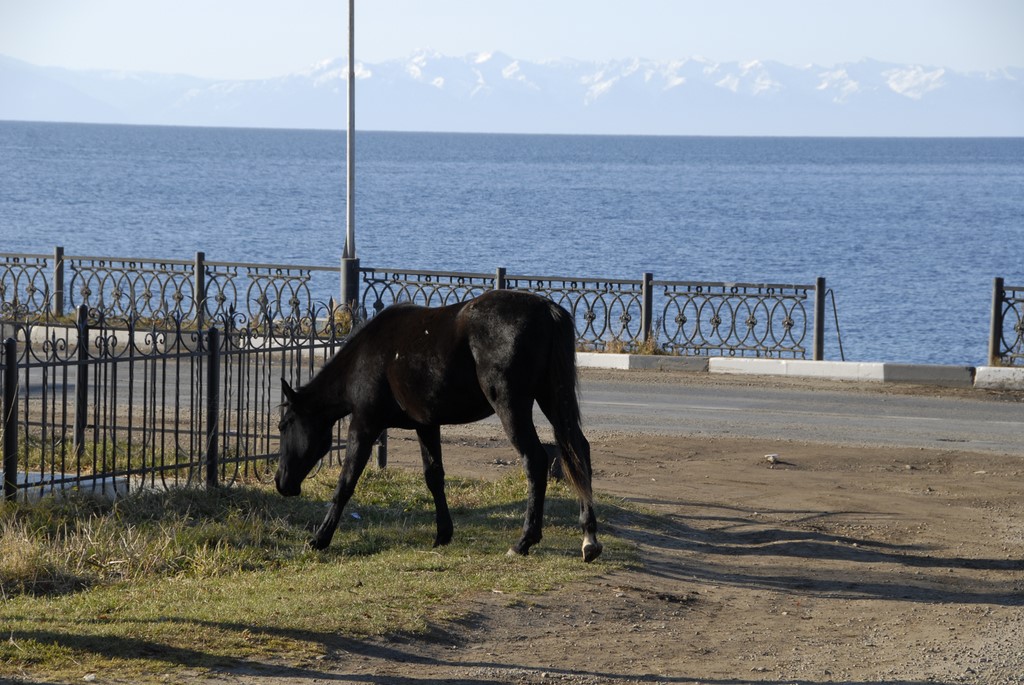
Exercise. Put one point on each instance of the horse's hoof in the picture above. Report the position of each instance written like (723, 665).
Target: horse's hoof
(318, 544)
(592, 551)
(443, 538)
(513, 552)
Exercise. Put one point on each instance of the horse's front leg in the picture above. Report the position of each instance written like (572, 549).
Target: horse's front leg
(357, 454)
(433, 473)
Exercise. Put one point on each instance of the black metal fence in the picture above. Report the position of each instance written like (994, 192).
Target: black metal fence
(1006, 339)
(676, 317)
(161, 289)
(120, 373)
(114, 404)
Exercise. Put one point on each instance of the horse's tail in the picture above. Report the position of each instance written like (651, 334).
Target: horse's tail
(564, 404)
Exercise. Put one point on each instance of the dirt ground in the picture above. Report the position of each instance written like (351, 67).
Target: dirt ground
(832, 564)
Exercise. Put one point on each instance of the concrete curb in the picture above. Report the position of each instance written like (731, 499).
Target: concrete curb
(799, 368)
(950, 376)
(107, 487)
(999, 378)
(658, 362)
(920, 374)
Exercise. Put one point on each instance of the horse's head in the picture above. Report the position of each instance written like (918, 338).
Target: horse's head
(305, 439)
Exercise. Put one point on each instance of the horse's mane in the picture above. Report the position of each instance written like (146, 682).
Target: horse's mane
(363, 321)
(359, 326)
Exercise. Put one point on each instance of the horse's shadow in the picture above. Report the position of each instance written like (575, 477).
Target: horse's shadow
(711, 548)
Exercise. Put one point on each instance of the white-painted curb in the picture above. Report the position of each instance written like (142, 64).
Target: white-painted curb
(999, 378)
(850, 371)
(660, 362)
(985, 377)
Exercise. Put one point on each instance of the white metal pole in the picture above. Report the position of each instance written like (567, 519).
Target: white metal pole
(350, 147)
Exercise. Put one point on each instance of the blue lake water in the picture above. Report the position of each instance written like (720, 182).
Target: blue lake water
(908, 232)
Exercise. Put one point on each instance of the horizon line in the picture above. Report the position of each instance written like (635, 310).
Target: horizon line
(342, 130)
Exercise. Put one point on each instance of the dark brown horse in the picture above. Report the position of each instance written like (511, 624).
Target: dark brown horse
(420, 368)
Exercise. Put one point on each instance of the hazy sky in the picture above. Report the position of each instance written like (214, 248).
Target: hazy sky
(263, 38)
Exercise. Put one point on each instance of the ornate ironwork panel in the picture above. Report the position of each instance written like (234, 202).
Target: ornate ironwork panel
(734, 319)
(259, 290)
(608, 313)
(1011, 348)
(24, 284)
(155, 289)
(384, 287)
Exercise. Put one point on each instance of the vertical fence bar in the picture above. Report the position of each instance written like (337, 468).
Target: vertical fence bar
(81, 383)
(647, 306)
(199, 289)
(500, 280)
(57, 305)
(995, 332)
(818, 354)
(381, 450)
(350, 286)
(212, 406)
(10, 409)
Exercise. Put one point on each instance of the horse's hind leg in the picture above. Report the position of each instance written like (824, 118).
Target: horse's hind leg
(588, 520)
(433, 473)
(518, 425)
(575, 459)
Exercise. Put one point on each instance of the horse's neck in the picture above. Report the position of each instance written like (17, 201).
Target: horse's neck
(328, 389)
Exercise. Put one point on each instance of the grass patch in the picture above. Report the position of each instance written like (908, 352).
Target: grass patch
(193, 579)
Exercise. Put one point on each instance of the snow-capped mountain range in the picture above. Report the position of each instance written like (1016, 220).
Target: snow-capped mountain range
(493, 92)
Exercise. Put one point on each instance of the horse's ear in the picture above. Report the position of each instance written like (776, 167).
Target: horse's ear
(289, 394)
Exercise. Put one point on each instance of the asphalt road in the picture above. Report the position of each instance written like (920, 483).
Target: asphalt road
(811, 411)
(832, 412)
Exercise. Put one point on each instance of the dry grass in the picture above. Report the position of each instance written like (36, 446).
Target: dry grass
(191, 579)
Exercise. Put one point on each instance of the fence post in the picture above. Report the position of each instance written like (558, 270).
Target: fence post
(500, 281)
(350, 285)
(212, 406)
(81, 382)
(57, 305)
(199, 289)
(995, 333)
(647, 306)
(10, 409)
(381, 450)
(818, 342)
